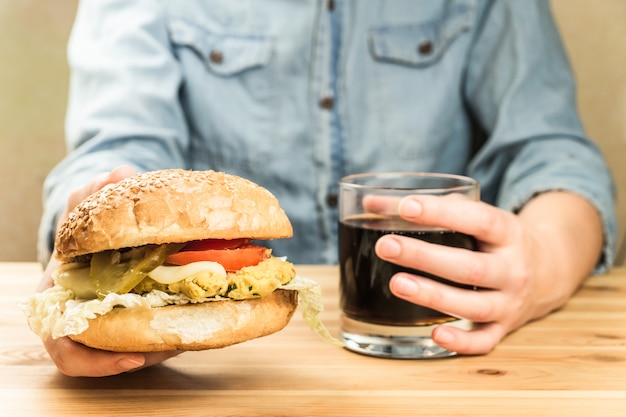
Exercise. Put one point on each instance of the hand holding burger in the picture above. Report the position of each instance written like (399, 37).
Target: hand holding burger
(162, 262)
(75, 359)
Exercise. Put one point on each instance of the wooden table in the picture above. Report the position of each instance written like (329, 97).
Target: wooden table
(572, 363)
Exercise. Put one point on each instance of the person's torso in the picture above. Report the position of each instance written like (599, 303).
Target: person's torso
(295, 94)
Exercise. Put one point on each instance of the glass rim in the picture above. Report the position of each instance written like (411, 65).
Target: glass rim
(465, 182)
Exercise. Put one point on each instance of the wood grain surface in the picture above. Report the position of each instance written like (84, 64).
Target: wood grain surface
(572, 363)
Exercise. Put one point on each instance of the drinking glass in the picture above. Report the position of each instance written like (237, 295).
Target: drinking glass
(374, 321)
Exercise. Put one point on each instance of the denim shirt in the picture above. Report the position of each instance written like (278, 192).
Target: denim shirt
(294, 94)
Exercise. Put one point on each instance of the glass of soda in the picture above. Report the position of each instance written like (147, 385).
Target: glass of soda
(375, 322)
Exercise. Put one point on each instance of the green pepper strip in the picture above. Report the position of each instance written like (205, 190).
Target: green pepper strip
(115, 272)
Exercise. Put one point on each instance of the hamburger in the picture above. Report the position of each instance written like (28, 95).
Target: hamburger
(170, 260)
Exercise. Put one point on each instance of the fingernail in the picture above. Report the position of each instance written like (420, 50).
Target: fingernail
(127, 364)
(405, 286)
(410, 208)
(443, 336)
(388, 247)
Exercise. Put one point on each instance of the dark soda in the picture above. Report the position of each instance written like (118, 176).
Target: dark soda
(365, 293)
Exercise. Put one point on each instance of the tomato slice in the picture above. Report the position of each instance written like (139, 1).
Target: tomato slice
(216, 244)
(230, 259)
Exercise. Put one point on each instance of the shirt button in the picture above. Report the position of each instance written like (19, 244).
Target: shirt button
(216, 57)
(331, 5)
(327, 103)
(332, 200)
(425, 47)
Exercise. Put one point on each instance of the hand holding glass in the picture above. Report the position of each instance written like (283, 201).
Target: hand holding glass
(374, 321)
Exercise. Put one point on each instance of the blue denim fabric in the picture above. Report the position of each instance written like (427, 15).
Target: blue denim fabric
(481, 88)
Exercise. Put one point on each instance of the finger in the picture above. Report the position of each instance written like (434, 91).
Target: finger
(94, 185)
(98, 182)
(477, 306)
(153, 358)
(118, 174)
(74, 359)
(479, 341)
(487, 223)
(381, 204)
(388, 204)
(455, 264)
(46, 280)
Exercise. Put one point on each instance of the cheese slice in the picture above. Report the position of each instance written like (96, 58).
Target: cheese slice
(170, 274)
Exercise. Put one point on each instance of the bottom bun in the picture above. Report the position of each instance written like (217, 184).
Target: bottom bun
(203, 326)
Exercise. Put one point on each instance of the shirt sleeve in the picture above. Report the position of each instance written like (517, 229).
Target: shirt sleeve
(123, 103)
(521, 92)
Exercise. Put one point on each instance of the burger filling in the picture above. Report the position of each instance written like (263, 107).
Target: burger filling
(147, 277)
(142, 270)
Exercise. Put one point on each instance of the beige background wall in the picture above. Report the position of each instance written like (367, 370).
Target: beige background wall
(33, 90)
(595, 36)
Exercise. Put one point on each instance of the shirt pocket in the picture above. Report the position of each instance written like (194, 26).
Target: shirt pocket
(223, 54)
(421, 44)
(228, 94)
(416, 74)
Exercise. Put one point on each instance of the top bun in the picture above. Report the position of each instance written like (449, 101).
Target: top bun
(171, 206)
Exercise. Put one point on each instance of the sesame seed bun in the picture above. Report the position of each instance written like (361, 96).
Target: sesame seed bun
(171, 206)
